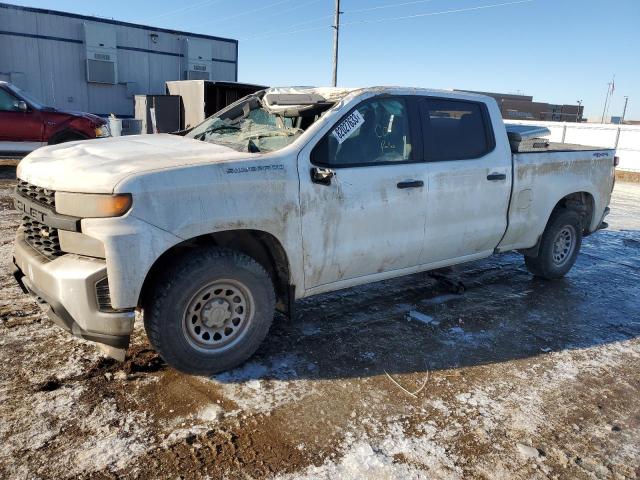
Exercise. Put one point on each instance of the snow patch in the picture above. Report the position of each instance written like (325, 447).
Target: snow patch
(395, 455)
(114, 439)
(261, 387)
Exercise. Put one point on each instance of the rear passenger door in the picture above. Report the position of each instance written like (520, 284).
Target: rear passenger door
(469, 180)
(20, 130)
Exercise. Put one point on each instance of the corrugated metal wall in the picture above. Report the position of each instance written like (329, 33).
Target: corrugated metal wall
(43, 52)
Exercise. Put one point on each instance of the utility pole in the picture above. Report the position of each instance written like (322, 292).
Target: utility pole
(624, 110)
(336, 39)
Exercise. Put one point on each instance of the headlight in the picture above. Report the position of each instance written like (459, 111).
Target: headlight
(92, 205)
(103, 131)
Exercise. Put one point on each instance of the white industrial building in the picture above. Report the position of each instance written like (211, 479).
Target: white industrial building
(96, 65)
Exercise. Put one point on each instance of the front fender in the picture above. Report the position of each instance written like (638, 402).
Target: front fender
(259, 194)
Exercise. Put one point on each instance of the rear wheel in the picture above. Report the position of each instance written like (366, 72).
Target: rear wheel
(559, 246)
(210, 312)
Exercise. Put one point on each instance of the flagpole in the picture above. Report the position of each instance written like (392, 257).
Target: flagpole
(610, 89)
(613, 89)
(606, 100)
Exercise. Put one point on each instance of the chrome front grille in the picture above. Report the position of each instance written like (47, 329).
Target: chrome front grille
(40, 195)
(41, 237)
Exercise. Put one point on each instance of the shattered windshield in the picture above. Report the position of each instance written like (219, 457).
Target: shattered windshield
(252, 126)
(255, 130)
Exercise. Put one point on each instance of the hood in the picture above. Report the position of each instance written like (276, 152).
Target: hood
(88, 116)
(98, 165)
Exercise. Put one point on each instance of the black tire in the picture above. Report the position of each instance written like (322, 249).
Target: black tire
(557, 252)
(188, 344)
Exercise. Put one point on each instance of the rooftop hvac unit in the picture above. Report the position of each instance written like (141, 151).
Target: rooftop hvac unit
(198, 55)
(101, 53)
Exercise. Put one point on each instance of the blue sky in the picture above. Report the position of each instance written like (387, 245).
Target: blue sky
(556, 50)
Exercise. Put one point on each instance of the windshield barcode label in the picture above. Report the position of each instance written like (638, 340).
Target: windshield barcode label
(348, 126)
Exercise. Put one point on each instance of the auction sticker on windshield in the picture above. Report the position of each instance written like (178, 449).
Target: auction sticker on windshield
(348, 126)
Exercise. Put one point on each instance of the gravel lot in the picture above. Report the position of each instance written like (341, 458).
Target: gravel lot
(516, 378)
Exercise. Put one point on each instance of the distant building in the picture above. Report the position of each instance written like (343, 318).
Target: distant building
(522, 107)
(97, 65)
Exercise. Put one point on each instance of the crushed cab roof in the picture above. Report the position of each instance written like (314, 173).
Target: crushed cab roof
(309, 95)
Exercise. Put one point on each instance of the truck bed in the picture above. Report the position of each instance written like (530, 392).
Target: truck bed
(542, 174)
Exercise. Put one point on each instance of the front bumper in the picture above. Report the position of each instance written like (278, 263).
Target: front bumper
(67, 286)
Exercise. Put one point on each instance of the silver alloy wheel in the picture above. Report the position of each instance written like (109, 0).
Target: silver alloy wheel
(218, 315)
(563, 245)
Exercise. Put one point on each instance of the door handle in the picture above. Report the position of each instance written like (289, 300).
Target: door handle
(496, 176)
(411, 184)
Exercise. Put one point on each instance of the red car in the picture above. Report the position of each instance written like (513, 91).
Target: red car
(26, 124)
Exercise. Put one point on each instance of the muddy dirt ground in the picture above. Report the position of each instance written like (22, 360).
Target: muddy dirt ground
(516, 378)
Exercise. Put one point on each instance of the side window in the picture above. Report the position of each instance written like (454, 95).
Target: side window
(455, 129)
(375, 132)
(8, 103)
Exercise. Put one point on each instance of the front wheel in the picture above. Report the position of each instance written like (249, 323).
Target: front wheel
(210, 311)
(559, 246)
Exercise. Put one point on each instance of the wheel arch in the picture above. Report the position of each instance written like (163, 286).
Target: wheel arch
(262, 246)
(67, 135)
(583, 202)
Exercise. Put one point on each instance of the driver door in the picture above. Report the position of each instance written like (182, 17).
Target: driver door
(369, 218)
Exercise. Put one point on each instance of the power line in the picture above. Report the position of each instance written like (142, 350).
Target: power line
(179, 11)
(297, 7)
(247, 12)
(380, 20)
(278, 31)
(287, 32)
(323, 17)
(392, 5)
(419, 15)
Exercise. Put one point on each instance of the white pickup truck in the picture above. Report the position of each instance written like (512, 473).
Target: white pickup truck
(285, 194)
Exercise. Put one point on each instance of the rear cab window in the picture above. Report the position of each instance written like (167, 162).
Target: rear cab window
(455, 129)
